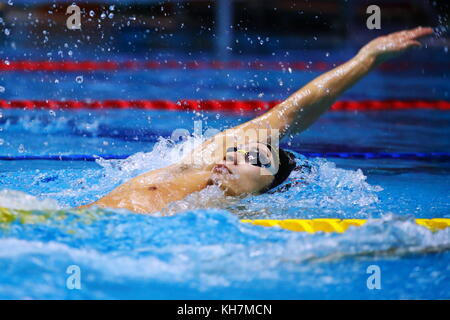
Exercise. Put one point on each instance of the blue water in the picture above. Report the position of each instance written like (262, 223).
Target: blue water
(212, 84)
(208, 253)
(201, 250)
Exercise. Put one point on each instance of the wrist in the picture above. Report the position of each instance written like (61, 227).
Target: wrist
(369, 59)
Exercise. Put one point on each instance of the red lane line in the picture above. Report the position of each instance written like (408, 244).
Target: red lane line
(217, 105)
(80, 66)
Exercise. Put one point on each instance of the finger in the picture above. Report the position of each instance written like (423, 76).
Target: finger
(398, 34)
(421, 32)
(412, 33)
(413, 43)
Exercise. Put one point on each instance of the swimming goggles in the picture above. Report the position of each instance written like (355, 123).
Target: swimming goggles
(253, 157)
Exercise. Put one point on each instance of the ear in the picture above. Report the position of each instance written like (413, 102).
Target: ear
(268, 186)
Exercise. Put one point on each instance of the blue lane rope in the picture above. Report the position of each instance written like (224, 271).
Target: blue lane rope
(443, 156)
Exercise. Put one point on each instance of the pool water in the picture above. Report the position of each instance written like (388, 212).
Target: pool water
(197, 248)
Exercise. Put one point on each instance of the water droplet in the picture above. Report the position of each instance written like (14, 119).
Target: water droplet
(2, 89)
(7, 32)
(79, 79)
(21, 148)
(92, 13)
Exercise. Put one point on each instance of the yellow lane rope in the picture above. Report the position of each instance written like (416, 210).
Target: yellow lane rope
(336, 225)
(301, 225)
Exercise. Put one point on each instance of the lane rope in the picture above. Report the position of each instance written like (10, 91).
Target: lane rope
(217, 105)
(136, 65)
(337, 225)
(298, 225)
(438, 156)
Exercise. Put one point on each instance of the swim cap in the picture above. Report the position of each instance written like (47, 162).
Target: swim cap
(286, 165)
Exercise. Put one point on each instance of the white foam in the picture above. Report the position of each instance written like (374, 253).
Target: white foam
(13, 199)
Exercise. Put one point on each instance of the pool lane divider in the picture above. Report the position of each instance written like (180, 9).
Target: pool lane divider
(327, 225)
(438, 156)
(139, 65)
(337, 225)
(216, 105)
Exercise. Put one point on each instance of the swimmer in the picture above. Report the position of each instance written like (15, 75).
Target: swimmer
(241, 163)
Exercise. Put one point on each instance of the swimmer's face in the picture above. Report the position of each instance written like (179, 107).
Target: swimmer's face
(244, 169)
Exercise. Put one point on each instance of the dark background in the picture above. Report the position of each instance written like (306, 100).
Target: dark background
(218, 28)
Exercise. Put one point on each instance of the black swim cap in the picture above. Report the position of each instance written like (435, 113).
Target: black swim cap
(286, 165)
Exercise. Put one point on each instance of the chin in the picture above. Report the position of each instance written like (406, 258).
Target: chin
(227, 185)
(226, 188)
(234, 191)
(230, 192)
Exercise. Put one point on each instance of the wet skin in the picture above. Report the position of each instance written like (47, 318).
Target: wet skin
(214, 163)
(152, 191)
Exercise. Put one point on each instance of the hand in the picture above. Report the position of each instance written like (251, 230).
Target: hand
(392, 45)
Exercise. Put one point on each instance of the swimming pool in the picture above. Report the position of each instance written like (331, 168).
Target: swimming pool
(207, 253)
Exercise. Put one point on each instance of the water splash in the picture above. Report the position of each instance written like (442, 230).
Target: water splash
(20, 200)
(199, 250)
(325, 189)
(321, 191)
(164, 153)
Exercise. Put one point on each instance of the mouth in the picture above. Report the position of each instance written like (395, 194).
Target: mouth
(221, 169)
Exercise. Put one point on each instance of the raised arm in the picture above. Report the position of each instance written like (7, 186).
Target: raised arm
(302, 109)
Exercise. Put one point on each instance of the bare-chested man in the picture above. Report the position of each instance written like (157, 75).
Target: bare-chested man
(241, 163)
